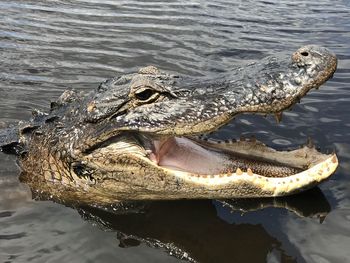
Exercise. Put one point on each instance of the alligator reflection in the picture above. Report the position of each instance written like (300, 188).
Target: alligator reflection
(192, 230)
(311, 203)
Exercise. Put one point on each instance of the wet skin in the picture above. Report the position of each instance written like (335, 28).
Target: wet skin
(136, 136)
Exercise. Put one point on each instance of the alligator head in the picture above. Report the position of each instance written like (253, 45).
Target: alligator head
(135, 137)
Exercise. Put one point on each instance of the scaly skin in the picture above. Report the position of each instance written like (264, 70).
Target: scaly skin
(127, 139)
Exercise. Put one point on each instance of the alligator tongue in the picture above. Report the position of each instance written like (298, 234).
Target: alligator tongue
(185, 155)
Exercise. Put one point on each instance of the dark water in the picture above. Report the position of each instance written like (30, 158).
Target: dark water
(46, 46)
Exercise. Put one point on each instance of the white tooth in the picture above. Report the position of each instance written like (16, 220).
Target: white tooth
(278, 116)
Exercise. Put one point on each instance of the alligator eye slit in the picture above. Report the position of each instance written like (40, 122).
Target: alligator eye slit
(305, 54)
(145, 94)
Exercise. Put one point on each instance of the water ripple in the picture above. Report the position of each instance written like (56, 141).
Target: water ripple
(48, 46)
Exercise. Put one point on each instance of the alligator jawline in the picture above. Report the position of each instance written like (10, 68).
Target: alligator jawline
(203, 158)
(316, 166)
(199, 159)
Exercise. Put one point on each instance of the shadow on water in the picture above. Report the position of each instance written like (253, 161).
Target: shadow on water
(193, 231)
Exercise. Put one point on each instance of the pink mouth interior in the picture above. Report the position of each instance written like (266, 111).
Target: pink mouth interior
(184, 155)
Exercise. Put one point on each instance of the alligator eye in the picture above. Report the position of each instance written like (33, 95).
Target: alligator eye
(145, 95)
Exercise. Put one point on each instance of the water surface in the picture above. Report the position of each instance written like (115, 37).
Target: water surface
(47, 46)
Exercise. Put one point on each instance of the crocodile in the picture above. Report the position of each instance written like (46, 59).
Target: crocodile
(137, 136)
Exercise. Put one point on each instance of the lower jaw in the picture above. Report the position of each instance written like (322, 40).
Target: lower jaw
(243, 162)
(245, 184)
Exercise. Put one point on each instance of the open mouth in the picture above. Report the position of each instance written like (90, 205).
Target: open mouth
(203, 159)
(222, 164)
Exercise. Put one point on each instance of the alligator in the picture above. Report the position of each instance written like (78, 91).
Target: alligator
(137, 136)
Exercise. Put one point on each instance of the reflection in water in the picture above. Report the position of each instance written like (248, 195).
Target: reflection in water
(192, 229)
(308, 204)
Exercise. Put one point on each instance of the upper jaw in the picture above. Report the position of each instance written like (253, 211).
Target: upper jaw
(269, 86)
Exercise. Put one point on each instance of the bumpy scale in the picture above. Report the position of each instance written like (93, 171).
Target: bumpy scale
(136, 136)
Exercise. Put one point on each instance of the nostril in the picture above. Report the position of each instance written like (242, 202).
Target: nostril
(305, 54)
